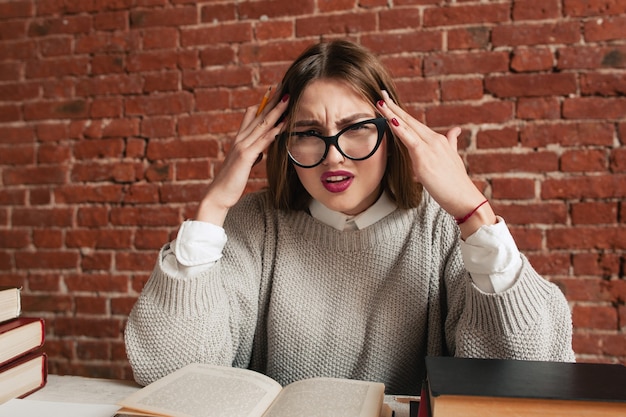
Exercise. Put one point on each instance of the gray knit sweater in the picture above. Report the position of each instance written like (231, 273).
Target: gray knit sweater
(294, 298)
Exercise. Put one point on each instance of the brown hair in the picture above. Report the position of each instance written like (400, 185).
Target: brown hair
(345, 61)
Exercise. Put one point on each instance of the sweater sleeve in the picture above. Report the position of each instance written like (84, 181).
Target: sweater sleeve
(529, 321)
(208, 317)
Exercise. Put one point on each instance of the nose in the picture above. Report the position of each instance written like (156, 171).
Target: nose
(333, 156)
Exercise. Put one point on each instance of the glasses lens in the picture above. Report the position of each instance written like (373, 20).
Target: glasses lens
(306, 149)
(359, 140)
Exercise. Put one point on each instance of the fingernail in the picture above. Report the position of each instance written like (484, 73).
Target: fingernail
(285, 98)
(395, 122)
(381, 103)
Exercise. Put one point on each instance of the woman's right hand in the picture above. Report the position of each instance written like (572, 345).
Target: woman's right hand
(254, 136)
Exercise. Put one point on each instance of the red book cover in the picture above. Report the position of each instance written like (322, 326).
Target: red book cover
(19, 337)
(23, 376)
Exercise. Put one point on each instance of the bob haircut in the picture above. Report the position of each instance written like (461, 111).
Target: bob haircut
(358, 67)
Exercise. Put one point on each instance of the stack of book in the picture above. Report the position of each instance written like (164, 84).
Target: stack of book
(23, 364)
(506, 387)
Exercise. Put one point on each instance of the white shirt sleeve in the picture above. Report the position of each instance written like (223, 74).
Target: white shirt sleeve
(196, 248)
(492, 258)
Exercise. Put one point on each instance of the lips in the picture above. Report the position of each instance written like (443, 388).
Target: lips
(336, 181)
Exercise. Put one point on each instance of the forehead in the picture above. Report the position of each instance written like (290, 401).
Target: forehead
(325, 99)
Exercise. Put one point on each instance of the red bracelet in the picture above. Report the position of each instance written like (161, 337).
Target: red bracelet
(461, 220)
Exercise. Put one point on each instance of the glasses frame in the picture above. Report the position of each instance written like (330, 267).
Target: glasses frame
(379, 122)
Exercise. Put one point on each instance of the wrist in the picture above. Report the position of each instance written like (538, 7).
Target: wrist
(482, 214)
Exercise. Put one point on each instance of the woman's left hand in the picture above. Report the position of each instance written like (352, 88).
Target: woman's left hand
(437, 165)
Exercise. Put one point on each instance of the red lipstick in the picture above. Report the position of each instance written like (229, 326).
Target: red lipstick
(336, 181)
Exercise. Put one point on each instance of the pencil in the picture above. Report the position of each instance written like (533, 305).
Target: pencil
(264, 101)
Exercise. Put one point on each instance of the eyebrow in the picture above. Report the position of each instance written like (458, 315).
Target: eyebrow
(341, 122)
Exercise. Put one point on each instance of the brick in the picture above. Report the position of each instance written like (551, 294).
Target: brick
(44, 282)
(544, 213)
(581, 237)
(10, 113)
(169, 149)
(453, 114)
(158, 127)
(135, 148)
(418, 90)
(14, 9)
(551, 263)
(513, 188)
(159, 104)
(75, 194)
(212, 99)
(108, 64)
(477, 37)
(100, 148)
(532, 108)
(100, 283)
(52, 132)
(158, 172)
(466, 63)
(46, 260)
(594, 108)
(106, 107)
(602, 265)
(595, 317)
(49, 153)
(40, 196)
(462, 14)
(152, 61)
(532, 59)
(78, 24)
(600, 8)
(567, 134)
(220, 34)
(42, 217)
(17, 155)
(605, 29)
(56, 46)
(19, 91)
(88, 350)
(403, 42)
(600, 186)
(586, 160)
(531, 85)
(160, 38)
(59, 304)
(145, 216)
(150, 239)
(35, 175)
(536, 10)
(98, 239)
(16, 134)
(269, 52)
(264, 31)
(10, 71)
(92, 216)
(56, 110)
(174, 17)
(218, 55)
(12, 197)
(461, 89)
(335, 24)
(272, 9)
(214, 13)
(171, 193)
(403, 66)
(587, 57)
(594, 213)
(135, 261)
(603, 84)
(96, 261)
(14, 239)
(103, 85)
(88, 327)
(513, 162)
(192, 170)
(618, 160)
(111, 21)
(562, 32)
(164, 81)
(48, 239)
(200, 124)
(108, 43)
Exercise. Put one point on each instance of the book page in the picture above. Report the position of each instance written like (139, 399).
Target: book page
(329, 397)
(205, 390)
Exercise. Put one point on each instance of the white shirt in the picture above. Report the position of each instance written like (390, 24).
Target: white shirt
(490, 254)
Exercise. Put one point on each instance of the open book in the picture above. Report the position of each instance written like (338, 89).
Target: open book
(199, 390)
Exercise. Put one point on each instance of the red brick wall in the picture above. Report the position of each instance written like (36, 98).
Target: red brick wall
(115, 114)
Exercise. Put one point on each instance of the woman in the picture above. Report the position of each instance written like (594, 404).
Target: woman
(370, 249)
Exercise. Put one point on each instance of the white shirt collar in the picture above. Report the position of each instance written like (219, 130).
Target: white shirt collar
(381, 208)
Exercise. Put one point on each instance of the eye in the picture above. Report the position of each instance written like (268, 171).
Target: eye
(308, 133)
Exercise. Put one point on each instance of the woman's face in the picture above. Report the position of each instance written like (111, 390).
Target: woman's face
(341, 184)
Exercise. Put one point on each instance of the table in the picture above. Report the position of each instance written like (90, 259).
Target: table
(67, 396)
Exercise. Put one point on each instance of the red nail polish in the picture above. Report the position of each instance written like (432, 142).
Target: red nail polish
(395, 122)
(285, 98)
(381, 103)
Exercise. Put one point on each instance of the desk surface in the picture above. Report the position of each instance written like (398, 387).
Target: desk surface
(85, 391)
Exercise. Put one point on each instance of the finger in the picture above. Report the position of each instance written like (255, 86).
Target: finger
(453, 137)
